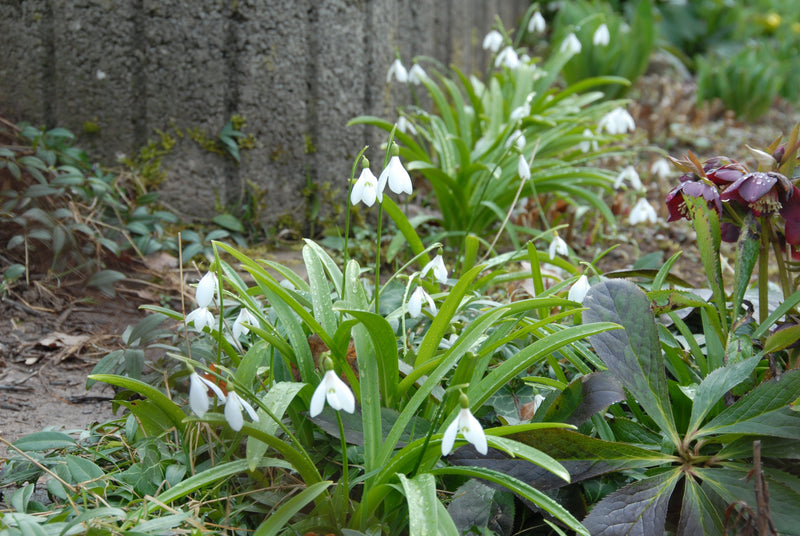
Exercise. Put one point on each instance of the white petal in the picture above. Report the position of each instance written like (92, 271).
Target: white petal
(601, 36)
(493, 41)
(415, 303)
(523, 169)
(204, 295)
(398, 70)
(318, 399)
(472, 431)
(233, 411)
(449, 437)
(357, 192)
(558, 246)
(416, 74)
(537, 23)
(250, 411)
(571, 45)
(578, 291)
(201, 317)
(431, 303)
(198, 395)
(341, 392)
(537, 401)
(215, 388)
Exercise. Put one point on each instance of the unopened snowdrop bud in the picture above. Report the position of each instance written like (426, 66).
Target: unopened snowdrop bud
(467, 426)
(579, 289)
(537, 23)
(523, 168)
(206, 288)
(617, 121)
(642, 212)
(601, 36)
(661, 168)
(493, 41)
(628, 174)
(397, 70)
(571, 45)
(558, 246)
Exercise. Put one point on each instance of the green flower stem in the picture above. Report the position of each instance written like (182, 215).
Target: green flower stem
(356, 162)
(345, 479)
(763, 272)
(782, 272)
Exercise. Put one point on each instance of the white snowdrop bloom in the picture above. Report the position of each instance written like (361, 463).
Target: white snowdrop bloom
(416, 74)
(523, 169)
(601, 36)
(517, 138)
(198, 393)
(206, 288)
(201, 317)
(405, 126)
(468, 426)
(493, 41)
(558, 246)
(661, 168)
(101, 75)
(520, 112)
(366, 190)
(448, 342)
(578, 290)
(571, 45)
(617, 121)
(335, 391)
(233, 411)
(415, 302)
(588, 145)
(244, 317)
(537, 23)
(508, 57)
(439, 269)
(397, 70)
(396, 176)
(628, 173)
(642, 212)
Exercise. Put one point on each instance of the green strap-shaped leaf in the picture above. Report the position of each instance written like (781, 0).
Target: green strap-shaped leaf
(170, 408)
(632, 355)
(423, 512)
(277, 399)
(277, 520)
(320, 291)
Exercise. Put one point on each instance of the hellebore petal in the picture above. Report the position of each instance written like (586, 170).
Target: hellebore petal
(763, 193)
(537, 23)
(206, 288)
(571, 45)
(617, 121)
(415, 302)
(397, 70)
(791, 217)
(523, 169)
(558, 246)
(578, 290)
(397, 177)
(366, 190)
(335, 391)
(601, 36)
(233, 411)
(439, 269)
(642, 212)
(692, 188)
(469, 427)
(493, 41)
(201, 317)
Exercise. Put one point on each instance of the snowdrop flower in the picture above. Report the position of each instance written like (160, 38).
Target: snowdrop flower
(404, 125)
(198, 393)
(416, 74)
(366, 190)
(558, 246)
(439, 269)
(578, 290)
(244, 317)
(335, 391)
(468, 426)
(201, 317)
(629, 174)
(523, 168)
(493, 41)
(398, 71)
(206, 288)
(642, 212)
(518, 139)
(588, 145)
(519, 112)
(507, 57)
(537, 23)
(571, 45)
(396, 176)
(617, 121)
(415, 302)
(601, 36)
(537, 401)
(233, 411)
(661, 168)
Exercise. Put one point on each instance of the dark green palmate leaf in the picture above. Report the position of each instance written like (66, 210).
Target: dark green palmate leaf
(633, 355)
(639, 509)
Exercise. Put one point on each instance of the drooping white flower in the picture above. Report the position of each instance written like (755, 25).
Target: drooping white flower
(233, 411)
(416, 74)
(523, 169)
(642, 212)
(508, 57)
(468, 426)
(558, 246)
(397, 177)
(415, 302)
(537, 401)
(537, 23)
(366, 190)
(578, 290)
(201, 317)
(628, 173)
(198, 393)
(397, 70)
(601, 36)
(439, 269)
(404, 125)
(335, 391)
(206, 288)
(661, 168)
(520, 112)
(493, 41)
(244, 317)
(571, 45)
(518, 139)
(617, 121)
(588, 145)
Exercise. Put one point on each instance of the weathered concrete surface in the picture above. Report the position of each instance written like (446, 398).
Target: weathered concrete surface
(297, 71)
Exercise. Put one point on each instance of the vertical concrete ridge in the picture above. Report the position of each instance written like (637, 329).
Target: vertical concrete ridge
(312, 75)
(235, 188)
(49, 79)
(369, 55)
(138, 47)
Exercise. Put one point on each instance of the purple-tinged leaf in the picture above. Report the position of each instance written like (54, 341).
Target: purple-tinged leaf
(698, 515)
(483, 507)
(582, 398)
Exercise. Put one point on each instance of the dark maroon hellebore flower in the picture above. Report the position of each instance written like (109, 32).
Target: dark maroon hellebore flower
(763, 193)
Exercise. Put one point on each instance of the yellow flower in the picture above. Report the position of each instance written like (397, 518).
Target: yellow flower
(773, 20)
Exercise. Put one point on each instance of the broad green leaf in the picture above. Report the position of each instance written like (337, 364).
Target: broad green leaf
(517, 449)
(782, 339)
(698, 515)
(632, 355)
(715, 385)
(247, 371)
(85, 472)
(638, 509)
(40, 441)
(421, 499)
(763, 411)
(170, 408)
(229, 222)
(277, 400)
(276, 521)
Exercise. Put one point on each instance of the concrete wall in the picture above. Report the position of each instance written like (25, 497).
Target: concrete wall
(296, 70)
